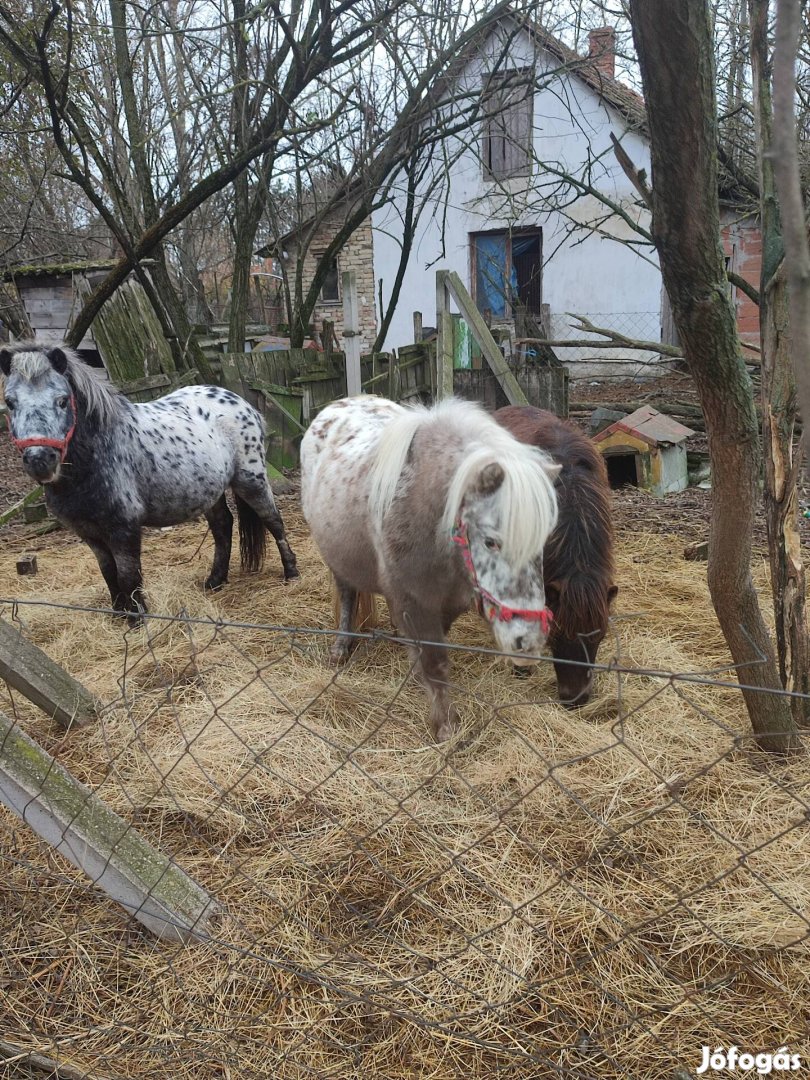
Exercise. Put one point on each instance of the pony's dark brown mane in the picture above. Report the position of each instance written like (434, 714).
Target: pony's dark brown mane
(579, 553)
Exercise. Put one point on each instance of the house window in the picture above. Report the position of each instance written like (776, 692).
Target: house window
(507, 133)
(508, 272)
(330, 290)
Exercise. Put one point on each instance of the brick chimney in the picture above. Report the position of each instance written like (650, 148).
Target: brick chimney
(602, 50)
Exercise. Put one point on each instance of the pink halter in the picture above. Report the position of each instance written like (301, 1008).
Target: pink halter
(488, 605)
(41, 440)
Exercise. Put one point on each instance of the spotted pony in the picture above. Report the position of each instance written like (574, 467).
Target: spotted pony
(434, 509)
(110, 466)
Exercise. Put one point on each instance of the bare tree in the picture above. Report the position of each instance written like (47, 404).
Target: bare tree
(780, 492)
(674, 44)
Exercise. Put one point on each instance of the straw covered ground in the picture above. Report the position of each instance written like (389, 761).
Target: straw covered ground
(553, 894)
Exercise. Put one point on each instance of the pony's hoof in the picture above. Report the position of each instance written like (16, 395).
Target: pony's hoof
(214, 585)
(338, 655)
(522, 672)
(445, 727)
(444, 732)
(293, 581)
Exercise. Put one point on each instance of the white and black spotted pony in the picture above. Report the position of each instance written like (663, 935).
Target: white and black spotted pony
(110, 466)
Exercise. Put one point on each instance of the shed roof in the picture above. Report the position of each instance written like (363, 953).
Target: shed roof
(56, 269)
(651, 426)
(66, 268)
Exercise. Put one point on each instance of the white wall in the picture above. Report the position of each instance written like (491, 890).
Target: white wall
(584, 272)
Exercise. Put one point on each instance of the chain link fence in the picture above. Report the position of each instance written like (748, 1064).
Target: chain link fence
(550, 894)
(601, 360)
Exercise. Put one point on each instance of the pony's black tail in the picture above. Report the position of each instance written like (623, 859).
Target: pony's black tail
(252, 536)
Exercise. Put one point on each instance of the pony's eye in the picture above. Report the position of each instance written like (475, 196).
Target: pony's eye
(10, 404)
(62, 402)
(492, 544)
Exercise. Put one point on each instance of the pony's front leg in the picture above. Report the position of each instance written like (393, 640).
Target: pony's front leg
(109, 571)
(346, 606)
(435, 667)
(432, 665)
(126, 549)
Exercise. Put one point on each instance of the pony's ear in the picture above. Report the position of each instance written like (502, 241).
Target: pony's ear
(5, 361)
(58, 360)
(612, 591)
(490, 479)
(553, 471)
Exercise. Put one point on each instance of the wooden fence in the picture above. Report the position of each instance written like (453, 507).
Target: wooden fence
(289, 387)
(545, 388)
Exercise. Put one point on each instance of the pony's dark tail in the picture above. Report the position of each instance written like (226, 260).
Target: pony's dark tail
(364, 614)
(252, 536)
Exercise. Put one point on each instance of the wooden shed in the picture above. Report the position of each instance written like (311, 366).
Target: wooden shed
(126, 337)
(51, 296)
(646, 449)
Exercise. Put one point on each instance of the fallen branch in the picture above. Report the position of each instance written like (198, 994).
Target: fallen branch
(58, 1070)
(614, 339)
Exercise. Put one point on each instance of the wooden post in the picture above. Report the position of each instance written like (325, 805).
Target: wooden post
(351, 334)
(75, 821)
(444, 340)
(417, 328)
(393, 377)
(492, 354)
(37, 677)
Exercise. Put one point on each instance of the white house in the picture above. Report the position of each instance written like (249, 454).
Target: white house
(529, 205)
(506, 219)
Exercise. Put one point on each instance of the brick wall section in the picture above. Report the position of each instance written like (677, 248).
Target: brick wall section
(742, 242)
(358, 255)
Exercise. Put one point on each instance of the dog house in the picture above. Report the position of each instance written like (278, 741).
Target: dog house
(646, 449)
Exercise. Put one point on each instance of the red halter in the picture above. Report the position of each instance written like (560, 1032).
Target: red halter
(41, 440)
(488, 606)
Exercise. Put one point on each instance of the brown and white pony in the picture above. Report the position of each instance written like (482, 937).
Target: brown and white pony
(578, 558)
(432, 508)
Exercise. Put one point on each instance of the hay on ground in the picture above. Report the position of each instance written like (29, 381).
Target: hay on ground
(599, 892)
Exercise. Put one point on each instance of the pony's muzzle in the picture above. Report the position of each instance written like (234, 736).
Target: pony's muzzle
(578, 692)
(41, 463)
(522, 641)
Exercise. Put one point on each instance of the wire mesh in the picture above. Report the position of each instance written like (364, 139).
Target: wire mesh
(540, 896)
(603, 358)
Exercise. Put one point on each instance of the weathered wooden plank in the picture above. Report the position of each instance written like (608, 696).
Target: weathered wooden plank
(129, 335)
(282, 400)
(96, 840)
(393, 379)
(489, 348)
(18, 506)
(28, 669)
(148, 382)
(444, 341)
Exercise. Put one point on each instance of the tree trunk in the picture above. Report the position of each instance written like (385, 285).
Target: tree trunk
(674, 45)
(248, 213)
(779, 412)
(185, 349)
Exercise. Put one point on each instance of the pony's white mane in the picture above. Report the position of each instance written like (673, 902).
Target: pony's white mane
(527, 501)
(30, 360)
